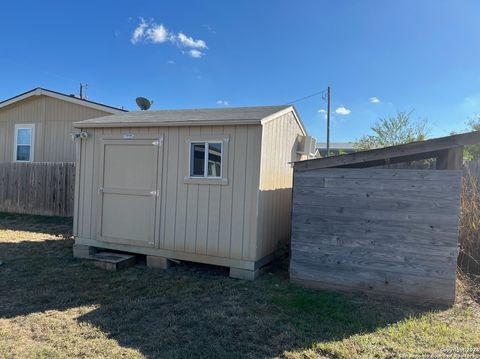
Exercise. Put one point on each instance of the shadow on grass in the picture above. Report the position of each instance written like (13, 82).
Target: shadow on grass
(188, 310)
(57, 226)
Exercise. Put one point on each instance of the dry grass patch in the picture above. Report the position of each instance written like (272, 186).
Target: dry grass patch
(55, 306)
(469, 236)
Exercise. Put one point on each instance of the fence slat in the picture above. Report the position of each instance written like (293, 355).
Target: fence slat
(375, 230)
(37, 188)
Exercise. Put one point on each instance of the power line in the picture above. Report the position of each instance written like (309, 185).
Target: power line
(326, 95)
(307, 97)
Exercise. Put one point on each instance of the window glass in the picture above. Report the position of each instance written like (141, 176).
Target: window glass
(24, 136)
(214, 159)
(23, 153)
(197, 166)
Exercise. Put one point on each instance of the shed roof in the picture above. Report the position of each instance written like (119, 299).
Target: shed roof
(199, 117)
(335, 145)
(54, 94)
(434, 148)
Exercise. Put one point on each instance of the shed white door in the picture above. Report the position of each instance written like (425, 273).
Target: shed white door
(129, 190)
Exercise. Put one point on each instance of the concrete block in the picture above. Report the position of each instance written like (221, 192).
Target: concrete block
(82, 251)
(158, 262)
(245, 274)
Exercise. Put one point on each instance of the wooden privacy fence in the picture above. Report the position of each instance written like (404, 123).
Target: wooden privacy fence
(45, 188)
(384, 230)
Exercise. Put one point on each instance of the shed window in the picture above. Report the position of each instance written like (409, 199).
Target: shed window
(24, 135)
(206, 159)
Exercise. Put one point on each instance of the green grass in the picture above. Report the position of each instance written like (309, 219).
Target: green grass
(55, 306)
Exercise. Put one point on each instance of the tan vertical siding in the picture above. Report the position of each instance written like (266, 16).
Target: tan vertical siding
(171, 175)
(202, 209)
(3, 140)
(279, 145)
(53, 120)
(181, 225)
(226, 204)
(213, 225)
(203, 219)
(25, 112)
(59, 117)
(192, 209)
(252, 184)
(238, 194)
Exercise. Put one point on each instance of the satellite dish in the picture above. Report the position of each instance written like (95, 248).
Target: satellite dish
(143, 103)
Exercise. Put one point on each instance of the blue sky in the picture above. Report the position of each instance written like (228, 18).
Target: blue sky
(409, 54)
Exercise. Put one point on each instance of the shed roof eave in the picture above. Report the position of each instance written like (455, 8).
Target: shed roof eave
(84, 124)
(283, 112)
(194, 117)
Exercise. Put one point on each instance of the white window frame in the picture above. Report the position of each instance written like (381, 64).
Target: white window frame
(205, 164)
(223, 140)
(29, 126)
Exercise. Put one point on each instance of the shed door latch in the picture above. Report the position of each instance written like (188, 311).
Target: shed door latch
(158, 142)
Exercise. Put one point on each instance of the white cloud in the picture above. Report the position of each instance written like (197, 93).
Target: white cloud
(170, 62)
(157, 34)
(222, 102)
(139, 31)
(194, 53)
(342, 111)
(374, 99)
(190, 42)
(323, 112)
(150, 32)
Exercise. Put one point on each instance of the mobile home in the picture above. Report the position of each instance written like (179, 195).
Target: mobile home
(35, 126)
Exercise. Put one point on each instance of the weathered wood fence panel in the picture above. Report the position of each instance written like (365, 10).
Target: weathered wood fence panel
(392, 231)
(45, 188)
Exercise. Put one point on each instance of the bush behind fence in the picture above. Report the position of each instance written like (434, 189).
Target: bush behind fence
(469, 238)
(45, 188)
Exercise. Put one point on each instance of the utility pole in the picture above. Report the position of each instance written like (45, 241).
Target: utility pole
(328, 121)
(82, 86)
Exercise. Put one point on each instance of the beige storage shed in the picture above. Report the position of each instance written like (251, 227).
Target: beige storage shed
(206, 185)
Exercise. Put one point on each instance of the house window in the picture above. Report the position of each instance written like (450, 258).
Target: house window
(24, 136)
(206, 159)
